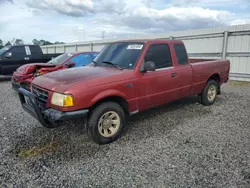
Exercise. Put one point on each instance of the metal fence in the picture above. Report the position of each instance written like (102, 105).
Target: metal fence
(231, 43)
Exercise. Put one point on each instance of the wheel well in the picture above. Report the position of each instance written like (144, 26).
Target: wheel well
(121, 101)
(215, 77)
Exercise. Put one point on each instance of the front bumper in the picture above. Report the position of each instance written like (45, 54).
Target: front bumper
(50, 117)
(15, 85)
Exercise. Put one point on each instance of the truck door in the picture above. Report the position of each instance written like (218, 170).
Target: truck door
(160, 85)
(184, 69)
(16, 59)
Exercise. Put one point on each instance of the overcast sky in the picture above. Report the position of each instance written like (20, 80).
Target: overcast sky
(79, 20)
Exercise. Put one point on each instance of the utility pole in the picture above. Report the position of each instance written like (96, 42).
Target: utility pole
(103, 34)
(82, 31)
(84, 34)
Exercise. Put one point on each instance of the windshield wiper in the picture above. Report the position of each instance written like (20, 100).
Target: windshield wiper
(115, 65)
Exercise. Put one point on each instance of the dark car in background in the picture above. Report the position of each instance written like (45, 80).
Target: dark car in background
(12, 57)
(26, 73)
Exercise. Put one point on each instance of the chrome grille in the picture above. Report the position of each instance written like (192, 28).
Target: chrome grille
(42, 96)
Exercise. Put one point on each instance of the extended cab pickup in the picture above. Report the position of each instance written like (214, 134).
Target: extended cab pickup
(125, 78)
(12, 57)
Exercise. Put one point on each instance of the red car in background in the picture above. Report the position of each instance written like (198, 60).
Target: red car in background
(26, 73)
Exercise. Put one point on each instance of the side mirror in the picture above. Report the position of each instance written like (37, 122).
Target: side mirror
(148, 66)
(8, 55)
(70, 64)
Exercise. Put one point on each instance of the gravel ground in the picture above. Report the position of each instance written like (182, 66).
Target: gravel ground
(182, 144)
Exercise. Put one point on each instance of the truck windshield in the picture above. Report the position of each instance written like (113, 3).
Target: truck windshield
(122, 54)
(60, 59)
(3, 50)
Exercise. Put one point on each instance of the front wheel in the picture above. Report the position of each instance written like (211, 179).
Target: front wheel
(106, 123)
(209, 93)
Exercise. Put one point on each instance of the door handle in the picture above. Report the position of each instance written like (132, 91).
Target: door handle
(26, 58)
(174, 74)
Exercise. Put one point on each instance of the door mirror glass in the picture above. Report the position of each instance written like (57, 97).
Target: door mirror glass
(148, 66)
(70, 64)
(8, 55)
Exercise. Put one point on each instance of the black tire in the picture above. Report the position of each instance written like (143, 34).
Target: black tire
(96, 114)
(199, 98)
(204, 98)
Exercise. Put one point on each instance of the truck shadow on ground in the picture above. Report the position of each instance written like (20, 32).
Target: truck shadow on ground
(71, 141)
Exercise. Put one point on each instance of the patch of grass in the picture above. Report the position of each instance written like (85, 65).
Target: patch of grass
(238, 83)
(36, 151)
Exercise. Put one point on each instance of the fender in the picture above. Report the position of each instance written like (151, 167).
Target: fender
(107, 93)
(216, 73)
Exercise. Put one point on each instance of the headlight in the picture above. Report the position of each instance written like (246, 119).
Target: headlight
(40, 73)
(62, 100)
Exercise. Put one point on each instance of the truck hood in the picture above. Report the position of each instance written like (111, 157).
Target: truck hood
(30, 68)
(61, 80)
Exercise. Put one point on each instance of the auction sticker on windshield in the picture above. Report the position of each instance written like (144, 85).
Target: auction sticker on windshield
(135, 47)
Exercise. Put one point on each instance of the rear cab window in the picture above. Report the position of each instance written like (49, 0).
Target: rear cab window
(181, 54)
(159, 54)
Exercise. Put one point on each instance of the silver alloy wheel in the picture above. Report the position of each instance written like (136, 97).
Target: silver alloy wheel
(109, 124)
(212, 91)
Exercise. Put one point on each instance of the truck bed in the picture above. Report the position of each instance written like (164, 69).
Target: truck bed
(204, 69)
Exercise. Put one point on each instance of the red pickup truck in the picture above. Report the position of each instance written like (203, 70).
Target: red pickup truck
(125, 78)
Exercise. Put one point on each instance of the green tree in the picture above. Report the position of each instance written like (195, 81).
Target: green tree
(1, 42)
(57, 42)
(8, 43)
(45, 42)
(42, 42)
(34, 41)
(15, 41)
(19, 41)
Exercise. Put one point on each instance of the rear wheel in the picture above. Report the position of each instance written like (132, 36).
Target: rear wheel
(209, 93)
(106, 123)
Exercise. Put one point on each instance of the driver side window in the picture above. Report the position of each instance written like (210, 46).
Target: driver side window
(160, 55)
